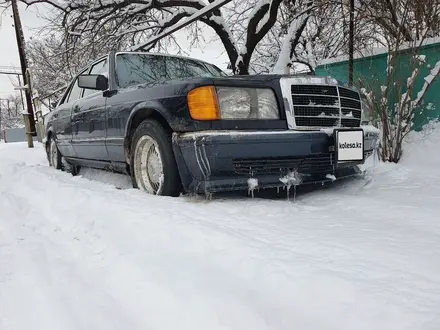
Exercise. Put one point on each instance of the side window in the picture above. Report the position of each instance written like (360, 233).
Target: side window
(134, 69)
(98, 68)
(64, 96)
(74, 92)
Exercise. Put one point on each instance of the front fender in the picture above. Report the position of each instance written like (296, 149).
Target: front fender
(49, 131)
(149, 107)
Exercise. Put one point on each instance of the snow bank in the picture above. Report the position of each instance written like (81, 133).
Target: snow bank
(80, 254)
(420, 147)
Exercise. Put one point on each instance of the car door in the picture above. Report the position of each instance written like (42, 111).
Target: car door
(62, 120)
(89, 120)
(130, 70)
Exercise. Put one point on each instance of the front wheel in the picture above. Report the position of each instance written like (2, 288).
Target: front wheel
(153, 166)
(54, 155)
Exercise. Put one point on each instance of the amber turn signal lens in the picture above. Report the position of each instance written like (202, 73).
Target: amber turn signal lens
(203, 103)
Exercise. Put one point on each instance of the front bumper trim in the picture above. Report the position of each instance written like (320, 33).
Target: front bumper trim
(211, 161)
(369, 130)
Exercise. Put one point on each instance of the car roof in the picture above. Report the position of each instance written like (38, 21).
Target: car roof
(145, 53)
(167, 55)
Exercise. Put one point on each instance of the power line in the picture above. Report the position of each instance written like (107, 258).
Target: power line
(10, 72)
(9, 67)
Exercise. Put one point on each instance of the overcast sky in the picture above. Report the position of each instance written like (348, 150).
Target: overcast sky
(213, 53)
(8, 44)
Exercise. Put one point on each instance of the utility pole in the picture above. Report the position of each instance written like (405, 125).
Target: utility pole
(351, 44)
(29, 116)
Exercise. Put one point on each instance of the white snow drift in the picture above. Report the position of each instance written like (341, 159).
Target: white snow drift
(76, 253)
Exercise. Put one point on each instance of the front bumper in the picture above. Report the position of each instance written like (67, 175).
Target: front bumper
(214, 161)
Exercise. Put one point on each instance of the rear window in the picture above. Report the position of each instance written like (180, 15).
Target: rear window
(134, 69)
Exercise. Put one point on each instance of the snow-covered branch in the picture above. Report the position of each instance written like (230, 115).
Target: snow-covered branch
(261, 19)
(291, 40)
(434, 74)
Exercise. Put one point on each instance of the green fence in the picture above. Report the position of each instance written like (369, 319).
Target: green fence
(371, 72)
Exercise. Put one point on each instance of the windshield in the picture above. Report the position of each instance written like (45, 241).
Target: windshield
(134, 69)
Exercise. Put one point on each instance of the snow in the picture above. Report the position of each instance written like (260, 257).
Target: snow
(187, 10)
(284, 57)
(238, 61)
(411, 80)
(258, 7)
(310, 51)
(430, 106)
(221, 21)
(435, 72)
(262, 22)
(76, 253)
(177, 26)
(291, 179)
(368, 129)
(330, 177)
(74, 33)
(252, 185)
(421, 58)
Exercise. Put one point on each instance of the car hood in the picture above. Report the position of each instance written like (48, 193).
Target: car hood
(295, 79)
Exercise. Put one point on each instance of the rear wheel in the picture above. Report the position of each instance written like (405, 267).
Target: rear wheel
(153, 166)
(54, 155)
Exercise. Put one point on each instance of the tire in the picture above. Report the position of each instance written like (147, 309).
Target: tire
(153, 166)
(55, 158)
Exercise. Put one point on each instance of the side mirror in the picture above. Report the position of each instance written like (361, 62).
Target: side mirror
(93, 81)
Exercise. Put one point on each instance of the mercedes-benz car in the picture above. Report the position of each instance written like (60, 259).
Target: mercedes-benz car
(176, 124)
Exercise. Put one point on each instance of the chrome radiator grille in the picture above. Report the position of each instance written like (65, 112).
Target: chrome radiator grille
(325, 106)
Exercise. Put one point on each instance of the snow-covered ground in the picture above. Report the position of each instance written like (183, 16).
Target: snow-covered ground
(77, 253)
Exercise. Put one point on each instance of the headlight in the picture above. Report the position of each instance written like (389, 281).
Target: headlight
(247, 103)
(210, 103)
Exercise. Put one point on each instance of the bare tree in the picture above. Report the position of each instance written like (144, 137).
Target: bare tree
(320, 35)
(275, 51)
(396, 105)
(403, 19)
(11, 109)
(126, 21)
(397, 102)
(54, 61)
(310, 31)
